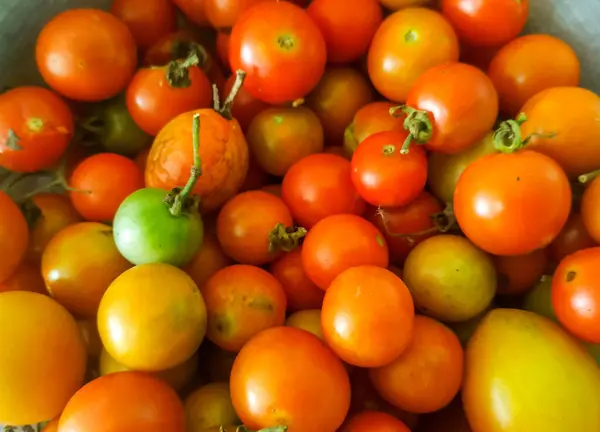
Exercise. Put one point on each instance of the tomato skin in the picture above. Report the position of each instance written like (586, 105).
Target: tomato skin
(426, 39)
(518, 274)
(367, 316)
(318, 186)
(486, 23)
(26, 277)
(461, 103)
(284, 60)
(309, 320)
(222, 47)
(339, 242)
(368, 420)
(209, 406)
(348, 31)
(245, 106)
(223, 14)
(573, 237)
(281, 357)
(151, 405)
(67, 54)
(523, 68)
(14, 236)
(383, 176)
(395, 5)
(42, 123)
(148, 21)
(194, 10)
(500, 199)
(590, 206)
(209, 259)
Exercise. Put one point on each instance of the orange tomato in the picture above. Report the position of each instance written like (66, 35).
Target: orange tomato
(194, 11)
(223, 14)
(590, 206)
(43, 360)
(52, 426)
(91, 337)
(14, 235)
(519, 273)
(146, 327)
(148, 21)
(27, 277)
(309, 320)
(428, 374)
(573, 237)
(209, 259)
(368, 421)
(209, 406)
(403, 4)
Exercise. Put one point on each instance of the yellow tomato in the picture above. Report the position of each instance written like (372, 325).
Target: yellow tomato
(309, 320)
(209, 406)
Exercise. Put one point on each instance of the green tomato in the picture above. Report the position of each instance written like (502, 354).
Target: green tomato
(539, 299)
(145, 231)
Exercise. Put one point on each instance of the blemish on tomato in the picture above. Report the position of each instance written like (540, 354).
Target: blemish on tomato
(571, 276)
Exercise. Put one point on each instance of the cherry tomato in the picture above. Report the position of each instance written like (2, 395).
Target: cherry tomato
(223, 14)
(384, 175)
(91, 337)
(339, 242)
(209, 259)
(35, 128)
(428, 374)
(14, 236)
(141, 159)
(255, 227)
(280, 137)
(590, 208)
(309, 320)
(451, 107)
(148, 21)
(285, 59)
(318, 186)
(405, 227)
(256, 177)
(395, 5)
(486, 23)
(222, 46)
(502, 202)
(576, 294)
(282, 358)
(523, 68)
(51, 426)
(26, 277)
(242, 301)
(245, 107)
(274, 189)
(519, 273)
(86, 54)
(209, 406)
(340, 93)
(98, 406)
(336, 150)
(406, 44)
(194, 10)
(368, 421)
(300, 291)
(348, 31)
(573, 237)
(479, 56)
(101, 183)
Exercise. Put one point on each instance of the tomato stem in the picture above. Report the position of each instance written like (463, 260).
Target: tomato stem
(269, 429)
(298, 102)
(417, 123)
(216, 98)
(588, 177)
(225, 109)
(443, 222)
(507, 138)
(285, 238)
(177, 73)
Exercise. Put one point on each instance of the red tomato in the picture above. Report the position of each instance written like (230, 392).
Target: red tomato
(339, 242)
(590, 208)
(301, 292)
(480, 57)
(101, 183)
(318, 186)
(572, 238)
(223, 14)
(348, 31)
(374, 421)
(157, 95)
(285, 59)
(148, 21)
(384, 174)
(512, 204)
(284, 358)
(256, 177)
(222, 45)
(406, 44)
(35, 128)
(576, 294)
(121, 401)
(194, 10)
(86, 54)
(14, 235)
(451, 107)
(486, 23)
(519, 273)
(367, 316)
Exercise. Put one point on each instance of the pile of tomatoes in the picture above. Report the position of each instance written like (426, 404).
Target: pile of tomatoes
(269, 215)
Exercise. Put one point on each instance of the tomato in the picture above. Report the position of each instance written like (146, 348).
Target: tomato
(209, 406)
(256, 177)
(223, 14)
(86, 54)
(300, 291)
(408, 43)
(340, 93)
(539, 299)
(280, 137)
(245, 106)
(395, 5)
(26, 277)
(318, 186)
(486, 23)
(51, 426)
(451, 107)
(45, 364)
(523, 68)
(35, 128)
(147, 21)
(572, 238)
(158, 334)
(348, 31)
(101, 183)
(428, 374)
(115, 402)
(209, 259)
(274, 189)
(405, 227)
(372, 118)
(571, 136)
(449, 278)
(519, 273)
(501, 202)
(279, 359)
(194, 11)
(339, 242)
(478, 56)
(156, 95)
(91, 338)
(141, 159)
(222, 47)
(517, 395)
(367, 316)
(452, 418)
(255, 227)
(368, 421)
(336, 150)
(385, 175)
(242, 301)
(284, 60)
(309, 320)
(14, 235)
(590, 205)
(576, 294)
